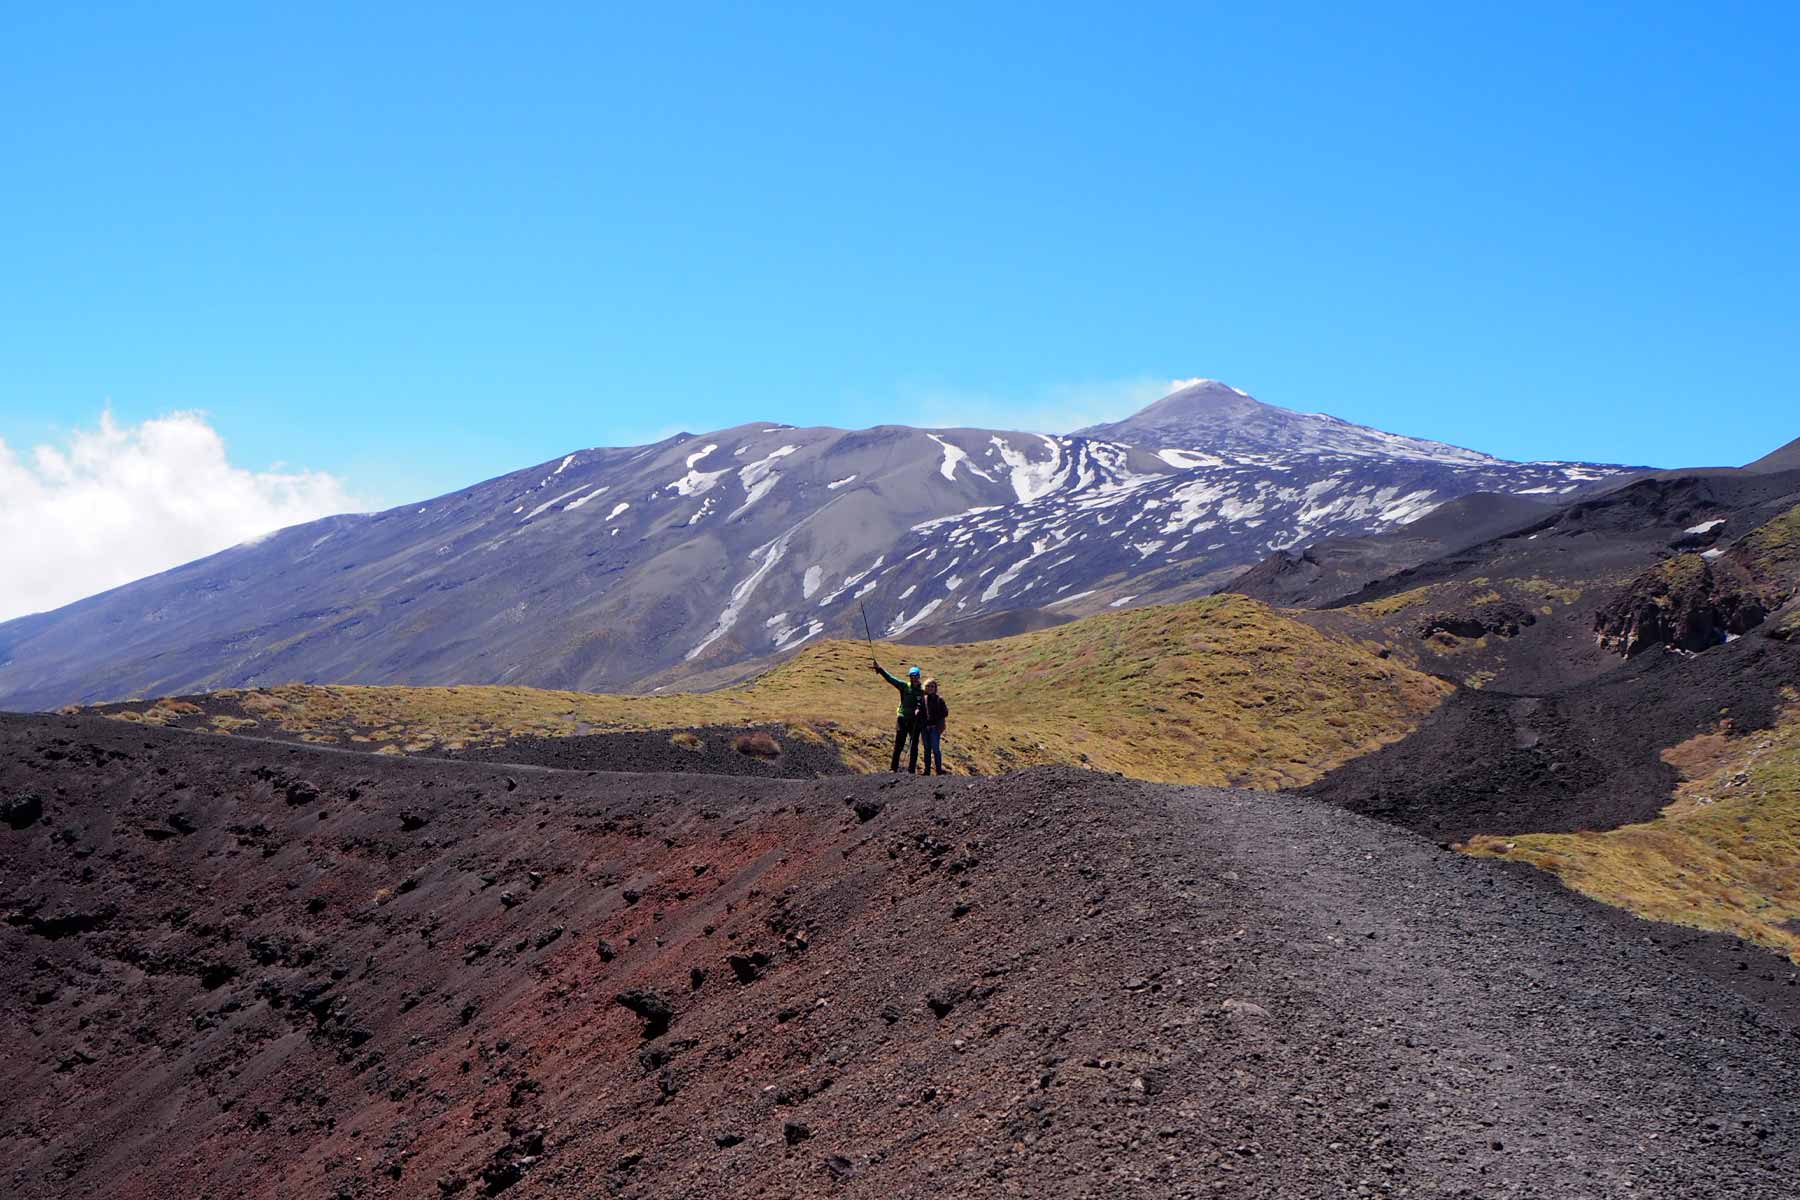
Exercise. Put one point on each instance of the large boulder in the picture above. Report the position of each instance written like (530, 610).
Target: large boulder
(1686, 602)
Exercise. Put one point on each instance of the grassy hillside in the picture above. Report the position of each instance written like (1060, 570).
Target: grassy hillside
(1222, 690)
(1725, 855)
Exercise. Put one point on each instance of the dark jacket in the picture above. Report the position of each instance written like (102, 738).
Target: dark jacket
(936, 711)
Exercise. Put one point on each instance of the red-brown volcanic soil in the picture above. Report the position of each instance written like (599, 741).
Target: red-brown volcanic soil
(237, 969)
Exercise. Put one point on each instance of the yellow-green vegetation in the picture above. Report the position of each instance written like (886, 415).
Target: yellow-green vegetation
(1560, 593)
(1678, 574)
(1387, 606)
(1776, 543)
(162, 712)
(1222, 690)
(1725, 855)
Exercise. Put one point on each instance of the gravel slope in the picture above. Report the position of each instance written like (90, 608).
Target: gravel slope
(253, 970)
(712, 751)
(1588, 757)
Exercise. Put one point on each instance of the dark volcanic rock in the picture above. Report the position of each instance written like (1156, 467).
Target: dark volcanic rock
(1588, 757)
(1686, 603)
(21, 812)
(652, 1007)
(1502, 618)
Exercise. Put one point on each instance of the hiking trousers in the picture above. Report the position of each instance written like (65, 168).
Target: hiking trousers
(906, 733)
(934, 749)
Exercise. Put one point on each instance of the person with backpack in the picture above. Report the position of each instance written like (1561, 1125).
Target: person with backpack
(936, 713)
(909, 718)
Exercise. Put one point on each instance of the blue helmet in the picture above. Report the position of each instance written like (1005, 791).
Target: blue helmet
(913, 671)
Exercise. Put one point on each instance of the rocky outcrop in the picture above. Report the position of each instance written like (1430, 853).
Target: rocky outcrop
(1693, 601)
(1499, 617)
(1684, 603)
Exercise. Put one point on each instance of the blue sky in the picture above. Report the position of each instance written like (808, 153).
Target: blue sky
(421, 246)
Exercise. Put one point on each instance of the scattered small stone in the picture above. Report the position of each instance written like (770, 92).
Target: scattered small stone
(1244, 1008)
(747, 967)
(653, 1008)
(793, 1132)
(606, 950)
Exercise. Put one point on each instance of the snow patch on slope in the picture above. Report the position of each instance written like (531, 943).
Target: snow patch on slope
(769, 554)
(549, 504)
(902, 623)
(954, 455)
(575, 504)
(1031, 479)
(759, 478)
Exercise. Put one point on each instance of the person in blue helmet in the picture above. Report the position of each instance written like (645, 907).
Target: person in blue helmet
(909, 718)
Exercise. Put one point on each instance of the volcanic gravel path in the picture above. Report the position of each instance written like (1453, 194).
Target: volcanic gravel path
(251, 970)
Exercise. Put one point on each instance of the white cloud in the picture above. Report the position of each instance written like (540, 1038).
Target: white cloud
(1058, 409)
(115, 503)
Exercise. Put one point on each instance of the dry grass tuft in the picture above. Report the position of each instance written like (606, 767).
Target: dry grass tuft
(1387, 606)
(756, 745)
(687, 741)
(1548, 590)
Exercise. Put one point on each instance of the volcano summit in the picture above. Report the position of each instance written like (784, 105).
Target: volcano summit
(697, 559)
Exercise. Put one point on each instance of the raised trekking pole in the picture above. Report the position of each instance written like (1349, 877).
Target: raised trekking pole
(866, 630)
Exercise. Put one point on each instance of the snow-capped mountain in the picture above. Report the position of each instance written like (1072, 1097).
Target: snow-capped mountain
(1217, 419)
(629, 568)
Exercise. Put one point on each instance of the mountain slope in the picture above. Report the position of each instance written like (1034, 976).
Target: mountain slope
(1519, 612)
(647, 566)
(1216, 691)
(1787, 458)
(1335, 567)
(1213, 417)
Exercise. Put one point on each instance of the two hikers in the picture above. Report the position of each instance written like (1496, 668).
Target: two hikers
(921, 713)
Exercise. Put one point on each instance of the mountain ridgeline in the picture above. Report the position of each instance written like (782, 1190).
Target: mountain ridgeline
(696, 560)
